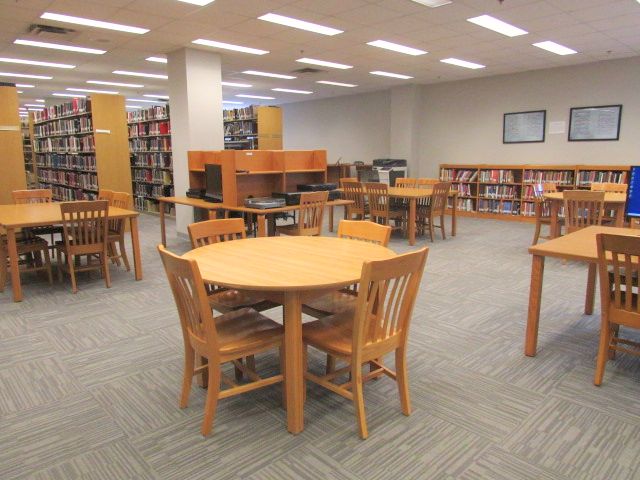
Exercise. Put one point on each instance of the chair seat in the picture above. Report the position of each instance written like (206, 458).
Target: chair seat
(246, 330)
(25, 244)
(334, 302)
(291, 229)
(332, 334)
(48, 230)
(229, 300)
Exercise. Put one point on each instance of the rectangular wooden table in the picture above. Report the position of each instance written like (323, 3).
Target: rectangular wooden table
(261, 214)
(579, 246)
(14, 217)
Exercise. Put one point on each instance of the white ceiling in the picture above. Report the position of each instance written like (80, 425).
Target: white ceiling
(597, 29)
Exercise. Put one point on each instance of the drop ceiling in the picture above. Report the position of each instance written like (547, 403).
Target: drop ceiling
(597, 29)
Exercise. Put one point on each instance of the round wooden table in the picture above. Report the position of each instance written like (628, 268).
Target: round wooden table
(293, 270)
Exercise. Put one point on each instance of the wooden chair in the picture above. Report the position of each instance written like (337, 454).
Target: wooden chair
(582, 208)
(310, 216)
(619, 267)
(543, 213)
(347, 179)
(380, 209)
(354, 191)
(117, 230)
(84, 234)
(379, 325)
(616, 187)
(219, 340)
(43, 195)
(597, 187)
(434, 207)
(223, 299)
(406, 182)
(35, 251)
(426, 182)
(104, 194)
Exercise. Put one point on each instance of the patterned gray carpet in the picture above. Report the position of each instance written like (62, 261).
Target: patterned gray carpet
(89, 384)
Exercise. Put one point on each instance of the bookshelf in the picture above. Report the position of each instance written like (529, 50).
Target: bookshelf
(12, 168)
(26, 125)
(505, 192)
(81, 145)
(151, 158)
(253, 128)
(259, 173)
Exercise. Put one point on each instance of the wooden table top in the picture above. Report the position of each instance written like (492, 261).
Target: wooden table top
(286, 263)
(609, 197)
(40, 214)
(580, 245)
(197, 202)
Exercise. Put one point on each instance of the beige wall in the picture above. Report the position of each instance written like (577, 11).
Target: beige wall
(462, 121)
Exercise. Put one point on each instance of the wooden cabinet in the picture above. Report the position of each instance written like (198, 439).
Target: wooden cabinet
(12, 167)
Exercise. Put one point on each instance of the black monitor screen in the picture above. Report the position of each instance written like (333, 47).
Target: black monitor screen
(213, 178)
(633, 193)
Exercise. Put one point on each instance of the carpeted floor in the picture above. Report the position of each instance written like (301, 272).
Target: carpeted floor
(89, 384)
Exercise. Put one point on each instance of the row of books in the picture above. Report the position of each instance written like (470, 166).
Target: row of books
(464, 189)
(245, 143)
(150, 144)
(497, 176)
(149, 205)
(159, 177)
(72, 179)
(63, 127)
(497, 206)
(158, 112)
(588, 177)
(65, 144)
(454, 175)
(154, 191)
(499, 191)
(149, 128)
(75, 106)
(66, 194)
(548, 176)
(529, 209)
(69, 162)
(153, 159)
(246, 113)
(465, 205)
(241, 128)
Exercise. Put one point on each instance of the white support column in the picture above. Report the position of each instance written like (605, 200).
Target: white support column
(404, 118)
(196, 115)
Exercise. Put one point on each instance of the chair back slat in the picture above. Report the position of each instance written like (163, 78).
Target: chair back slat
(406, 182)
(43, 195)
(354, 191)
(311, 212)
(619, 269)
(378, 196)
(582, 209)
(84, 226)
(439, 196)
(104, 194)
(343, 180)
(214, 231)
(365, 231)
(386, 298)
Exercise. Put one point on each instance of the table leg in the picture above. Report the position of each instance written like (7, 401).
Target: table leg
(535, 297)
(589, 300)
(294, 371)
(331, 218)
(163, 231)
(454, 219)
(13, 261)
(554, 228)
(262, 230)
(412, 221)
(271, 225)
(135, 242)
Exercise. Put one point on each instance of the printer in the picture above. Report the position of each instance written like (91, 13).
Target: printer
(389, 169)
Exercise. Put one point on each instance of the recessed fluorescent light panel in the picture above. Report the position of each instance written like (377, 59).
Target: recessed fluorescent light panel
(267, 74)
(140, 74)
(554, 47)
(237, 85)
(36, 109)
(487, 21)
(200, 3)
(301, 24)
(433, 3)
(19, 91)
(392, 75)
(156, 59)
(337, 84)
(41, 100)
(32, 105)
(133, 106)
(229, 46)
(58, 46)
(72, 95)
(88, 90)
(462, 63)
(232, 102)
(24, 75)
(34, 62)
(288, 90)
(164, 97)
(24, 85)
(115, 84)
(396, 47)
(93, 23)
(323, 63)
(256, 96)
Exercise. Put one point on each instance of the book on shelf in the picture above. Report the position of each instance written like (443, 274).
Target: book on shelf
(158, 144)
(158, 112)
(74, 107)
(587, 177)
(149, 129)
(564, 177)
(246, 113)
(496, 176)
(65, 126)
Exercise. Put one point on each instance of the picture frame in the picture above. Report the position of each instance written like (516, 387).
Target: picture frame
(524, 127)
(595, 123)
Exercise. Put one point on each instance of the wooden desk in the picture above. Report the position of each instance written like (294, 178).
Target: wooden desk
(579, 246)
(261, 214)
(293, 270)
(13, 217)
(612, 201)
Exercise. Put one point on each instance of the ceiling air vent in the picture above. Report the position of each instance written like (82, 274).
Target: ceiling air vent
(43, 30)
(308, 70)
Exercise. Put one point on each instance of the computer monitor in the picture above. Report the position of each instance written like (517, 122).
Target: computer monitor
(633, 193)
(213, 183)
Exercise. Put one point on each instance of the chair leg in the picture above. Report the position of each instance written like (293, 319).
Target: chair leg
(72, 273)
(3, 270)
(284, 377)
(105, 268)
(403, 381)
(47, 261)
(331, 364)
(237, 372)
(444, 236)
(212, 399)
(536, 234)
(603, 348)
(123, 253)
(305, 367)
(358, 399)
(187, 377)
(60, 263)
(113, 254)
(615, 330)
(431, 229)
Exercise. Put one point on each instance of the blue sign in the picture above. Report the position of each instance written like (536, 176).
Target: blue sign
(633, 193)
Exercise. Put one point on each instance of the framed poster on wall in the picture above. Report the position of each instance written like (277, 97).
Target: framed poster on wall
(589, 124)
(524, 127)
